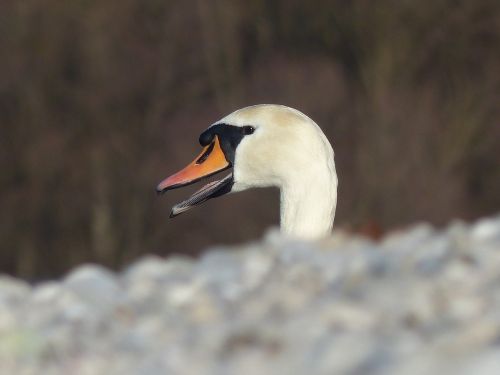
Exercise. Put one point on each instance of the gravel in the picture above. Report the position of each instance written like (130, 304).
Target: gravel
(420, 301)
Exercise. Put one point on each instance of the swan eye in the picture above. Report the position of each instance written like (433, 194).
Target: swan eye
(248, 130)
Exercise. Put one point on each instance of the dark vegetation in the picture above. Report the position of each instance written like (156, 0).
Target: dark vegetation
(100, 99)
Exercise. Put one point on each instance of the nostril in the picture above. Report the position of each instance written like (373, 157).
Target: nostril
(207, 152)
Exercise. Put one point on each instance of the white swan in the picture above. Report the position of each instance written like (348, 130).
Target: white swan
(267, 145)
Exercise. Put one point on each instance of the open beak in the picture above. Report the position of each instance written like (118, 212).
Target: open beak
(210, 161)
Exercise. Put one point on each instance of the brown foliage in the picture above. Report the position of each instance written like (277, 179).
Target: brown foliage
(99, 100)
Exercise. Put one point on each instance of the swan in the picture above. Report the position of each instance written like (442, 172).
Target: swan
(267, 145)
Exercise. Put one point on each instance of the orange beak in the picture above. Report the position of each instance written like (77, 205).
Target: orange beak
(210, 161)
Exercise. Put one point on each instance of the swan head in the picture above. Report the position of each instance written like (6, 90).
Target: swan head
(264, 145)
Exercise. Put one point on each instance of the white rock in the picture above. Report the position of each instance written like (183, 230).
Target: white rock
(12, 290)
(486, 230)
(420, 301)
(95, 285)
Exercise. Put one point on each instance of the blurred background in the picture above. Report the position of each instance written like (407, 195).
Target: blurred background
(101, 99)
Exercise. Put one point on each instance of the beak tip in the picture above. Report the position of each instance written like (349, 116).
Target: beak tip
(175, 212)
(159, 190)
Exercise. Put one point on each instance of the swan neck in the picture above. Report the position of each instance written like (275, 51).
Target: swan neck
(308, 210)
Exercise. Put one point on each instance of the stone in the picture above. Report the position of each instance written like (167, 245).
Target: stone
(96, 286)
(422, 300)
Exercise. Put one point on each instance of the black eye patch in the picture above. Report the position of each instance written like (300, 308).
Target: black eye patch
(229, 137)
(206, 137)
(247, 130)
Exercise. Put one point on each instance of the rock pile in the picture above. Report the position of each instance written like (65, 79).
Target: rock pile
(421, 301)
